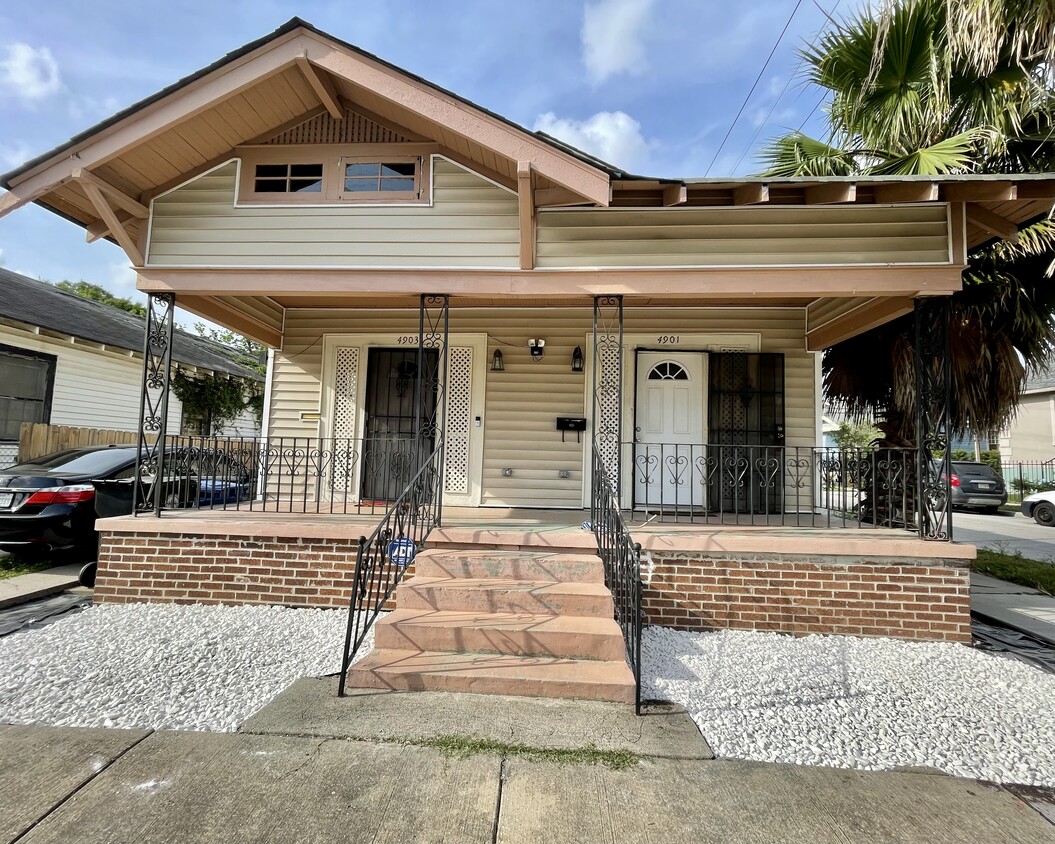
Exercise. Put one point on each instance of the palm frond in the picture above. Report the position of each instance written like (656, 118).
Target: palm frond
(951, 155)
(798, 154)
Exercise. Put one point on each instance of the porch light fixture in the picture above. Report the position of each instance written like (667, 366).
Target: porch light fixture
(537, 349)
(497, 364)
(577, 360)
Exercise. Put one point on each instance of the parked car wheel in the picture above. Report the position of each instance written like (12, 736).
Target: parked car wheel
(86, 577)
(1044, 514)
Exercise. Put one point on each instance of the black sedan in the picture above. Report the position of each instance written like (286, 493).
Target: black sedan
(51, 503)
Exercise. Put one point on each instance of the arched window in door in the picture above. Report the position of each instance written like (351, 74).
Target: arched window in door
(668, 370)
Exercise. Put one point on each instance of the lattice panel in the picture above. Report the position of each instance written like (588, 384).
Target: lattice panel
(459, 420)
(345, 390)
(353, 129)
(609, 350)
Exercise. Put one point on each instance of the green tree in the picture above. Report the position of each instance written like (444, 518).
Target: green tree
(87, 290)
(856, 435)
(912, 94)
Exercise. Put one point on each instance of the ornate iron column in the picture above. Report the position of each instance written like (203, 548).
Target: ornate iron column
(154, 403)
(608, 385)
(933, 394)
(432, 380)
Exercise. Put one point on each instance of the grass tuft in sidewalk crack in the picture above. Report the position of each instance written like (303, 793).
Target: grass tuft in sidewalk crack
(465, 746)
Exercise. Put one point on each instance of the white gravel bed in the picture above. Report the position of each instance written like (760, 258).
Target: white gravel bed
(858, 703)
(162, 666)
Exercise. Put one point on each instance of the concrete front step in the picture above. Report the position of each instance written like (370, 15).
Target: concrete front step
(502, 595)
(521, 634)
(555, 541)
(516, 565)
(410, 670)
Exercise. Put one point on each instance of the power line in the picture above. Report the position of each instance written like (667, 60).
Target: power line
(783, 91)
(743, 105)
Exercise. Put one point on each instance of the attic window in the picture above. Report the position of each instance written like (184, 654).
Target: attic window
(383, 180)
(288, 178)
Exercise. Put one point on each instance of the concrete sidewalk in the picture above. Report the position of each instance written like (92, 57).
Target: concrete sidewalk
(1019, 607)
(27, 587)
(298, 773)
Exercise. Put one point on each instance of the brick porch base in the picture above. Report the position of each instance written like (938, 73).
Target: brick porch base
(903, 597)
(914, 599)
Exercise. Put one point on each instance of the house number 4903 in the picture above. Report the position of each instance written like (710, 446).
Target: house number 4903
(668, 339)
(408, 340)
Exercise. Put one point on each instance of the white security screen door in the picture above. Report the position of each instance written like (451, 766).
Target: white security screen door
(670, 429)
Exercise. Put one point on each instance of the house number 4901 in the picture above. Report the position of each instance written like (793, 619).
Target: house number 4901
(668, 339)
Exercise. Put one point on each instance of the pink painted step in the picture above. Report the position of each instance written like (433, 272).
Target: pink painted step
(412, 670)
(517, 565)
(564, 540)
(502, 595)
(568, 636)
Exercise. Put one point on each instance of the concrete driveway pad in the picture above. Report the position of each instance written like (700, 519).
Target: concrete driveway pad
(217, 787)
(42, 767)
(726, 801)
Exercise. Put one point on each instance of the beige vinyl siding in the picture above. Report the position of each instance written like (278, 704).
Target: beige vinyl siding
(471, 223)
(740, 237)
(522, 402)
(1032, 433)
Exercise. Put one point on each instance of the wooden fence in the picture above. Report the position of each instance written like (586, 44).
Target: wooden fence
(37, 439)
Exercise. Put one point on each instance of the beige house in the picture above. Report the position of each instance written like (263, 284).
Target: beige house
(1030, 438)
(443, 287)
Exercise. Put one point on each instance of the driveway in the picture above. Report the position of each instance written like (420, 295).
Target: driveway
(1005, 532)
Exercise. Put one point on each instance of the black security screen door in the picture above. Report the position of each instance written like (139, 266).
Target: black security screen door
(391, 455)
(746, 419)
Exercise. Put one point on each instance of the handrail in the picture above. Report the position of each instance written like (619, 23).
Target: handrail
(622, 567)
(381, 560)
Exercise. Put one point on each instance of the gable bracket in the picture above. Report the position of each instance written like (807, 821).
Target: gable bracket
(991, 222)
(322, 86)
(109, 217)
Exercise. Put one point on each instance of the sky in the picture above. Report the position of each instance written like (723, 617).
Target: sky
(652, 86)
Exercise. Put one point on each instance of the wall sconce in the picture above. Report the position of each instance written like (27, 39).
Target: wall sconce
(577, 360)
(537, 349)
(497, 364)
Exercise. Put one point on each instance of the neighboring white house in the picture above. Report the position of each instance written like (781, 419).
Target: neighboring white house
(66, 360)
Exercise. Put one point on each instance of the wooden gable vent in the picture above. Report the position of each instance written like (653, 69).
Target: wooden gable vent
(354, 129)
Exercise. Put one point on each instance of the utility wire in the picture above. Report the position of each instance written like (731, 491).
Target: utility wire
(783, 91)
(755, 85)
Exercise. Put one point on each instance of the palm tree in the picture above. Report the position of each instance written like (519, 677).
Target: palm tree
(913, 94)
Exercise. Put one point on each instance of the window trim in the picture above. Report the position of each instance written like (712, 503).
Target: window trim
(333, 158)
(49, 386)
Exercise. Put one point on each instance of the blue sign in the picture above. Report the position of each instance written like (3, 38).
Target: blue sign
(401, 552)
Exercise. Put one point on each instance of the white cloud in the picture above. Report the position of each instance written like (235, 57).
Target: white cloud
(121, 280)
(29, 73)
(613, 136)
(12, 156)
(612, 33)
(1, 257)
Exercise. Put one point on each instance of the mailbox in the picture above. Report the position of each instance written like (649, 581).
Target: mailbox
(571, 423)
(575, 424)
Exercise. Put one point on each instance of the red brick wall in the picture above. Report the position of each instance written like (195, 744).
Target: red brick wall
(917, 599)
(910, 600)
(187, 569)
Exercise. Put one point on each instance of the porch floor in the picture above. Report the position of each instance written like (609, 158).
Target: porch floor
(510, 527)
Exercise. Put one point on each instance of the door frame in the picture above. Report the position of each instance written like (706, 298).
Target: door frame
(366, 341)
(673, 340)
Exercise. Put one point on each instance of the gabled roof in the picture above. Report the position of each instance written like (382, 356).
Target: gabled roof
(298, 72)
(42, 305)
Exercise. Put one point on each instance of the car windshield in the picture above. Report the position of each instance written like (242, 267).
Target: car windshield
(78, 462)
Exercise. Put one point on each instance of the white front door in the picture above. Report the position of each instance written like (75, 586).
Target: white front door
(670, 430)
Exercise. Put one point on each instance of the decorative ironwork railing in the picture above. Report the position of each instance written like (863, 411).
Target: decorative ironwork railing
(382, 559)
(337, 475)
(773, 485)
(622, 567)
